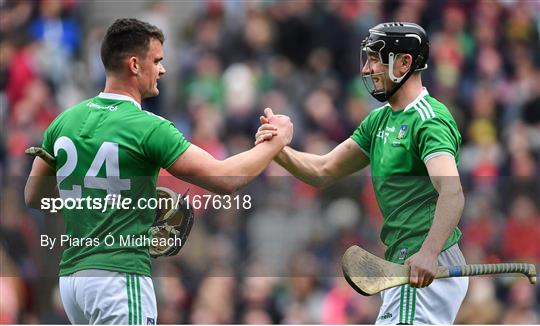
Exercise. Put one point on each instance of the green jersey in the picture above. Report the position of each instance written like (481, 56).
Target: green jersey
(399, 143)
(108, 148)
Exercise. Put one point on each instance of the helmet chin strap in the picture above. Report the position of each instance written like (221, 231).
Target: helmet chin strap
(391, 60)
(398, 81)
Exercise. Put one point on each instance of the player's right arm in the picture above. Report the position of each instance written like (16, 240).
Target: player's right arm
(197, 166)
(317, 170)
(40, 184)
(323, 170)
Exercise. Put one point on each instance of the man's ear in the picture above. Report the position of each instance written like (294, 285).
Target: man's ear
(134, 65)
(406, 63)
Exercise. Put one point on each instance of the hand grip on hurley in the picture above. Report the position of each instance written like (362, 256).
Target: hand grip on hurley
(38, 151)
(369, 274)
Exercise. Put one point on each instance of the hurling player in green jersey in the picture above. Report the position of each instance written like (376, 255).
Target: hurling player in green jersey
(412, 145)
(108, 145)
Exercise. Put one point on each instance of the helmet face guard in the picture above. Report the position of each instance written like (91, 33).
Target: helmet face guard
(389, 41)
(376, 83)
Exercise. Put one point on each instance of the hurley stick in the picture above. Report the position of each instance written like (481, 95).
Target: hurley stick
(369, 274)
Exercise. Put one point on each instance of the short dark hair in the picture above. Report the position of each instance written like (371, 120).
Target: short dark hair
(127, 36)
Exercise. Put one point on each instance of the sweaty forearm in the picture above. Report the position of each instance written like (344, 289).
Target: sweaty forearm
(197, 166)
(242, 168)
(253, 161)
(447, 215)
(309, 168)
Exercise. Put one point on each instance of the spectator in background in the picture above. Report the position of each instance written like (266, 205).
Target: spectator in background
(482, 226)
(21, 71)
(256, 304)
(450, 49)
(302, 303)
(342, 305)
(215, 301)
(13, 290)
(57, 315)
(58, 37)
(480, 305)
(522, 231)
(54, 29)
(172, 295)
(523, 304)
(320, 114)
(205, 84)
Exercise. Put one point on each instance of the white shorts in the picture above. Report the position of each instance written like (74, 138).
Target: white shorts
(104, 297)
(436, 304)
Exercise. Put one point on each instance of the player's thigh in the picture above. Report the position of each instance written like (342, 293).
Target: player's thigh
(436, 304)
(439, 303)
(390, 309)
(142, 306)
(400, 306)
(116, 298)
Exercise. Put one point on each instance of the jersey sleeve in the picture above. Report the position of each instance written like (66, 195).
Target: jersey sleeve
(437, 136)
(364, 134)
(50, 135)
(163, 144)
(47, 143)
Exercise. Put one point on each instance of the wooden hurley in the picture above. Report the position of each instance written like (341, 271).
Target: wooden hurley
(369, 274)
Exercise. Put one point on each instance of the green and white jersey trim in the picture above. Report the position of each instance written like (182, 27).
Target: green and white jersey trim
(428, 110)
(364, 151)
(420, 96)
(422, 106)
(119, 97)
(436, 154)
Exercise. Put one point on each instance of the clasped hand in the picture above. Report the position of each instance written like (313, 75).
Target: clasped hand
(274, 125)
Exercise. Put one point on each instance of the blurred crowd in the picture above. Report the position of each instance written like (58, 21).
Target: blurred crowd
(278, 262)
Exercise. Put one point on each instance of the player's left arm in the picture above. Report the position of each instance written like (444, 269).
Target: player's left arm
(41, 184)
(444, 175)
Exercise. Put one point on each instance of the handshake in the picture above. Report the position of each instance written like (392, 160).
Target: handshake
(274, 125)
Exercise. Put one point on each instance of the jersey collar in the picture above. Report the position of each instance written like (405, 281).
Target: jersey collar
(119, 97)
(420, 96)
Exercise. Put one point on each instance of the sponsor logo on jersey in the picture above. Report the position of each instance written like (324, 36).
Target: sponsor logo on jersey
(101, 107)
(150, 321)
(387, 315)
(383, 134)
(402, 131)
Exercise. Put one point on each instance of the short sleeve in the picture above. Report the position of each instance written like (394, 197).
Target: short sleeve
(164, 144)
(437, 136)
(47, 143)
(363, 135)
(50, 135)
